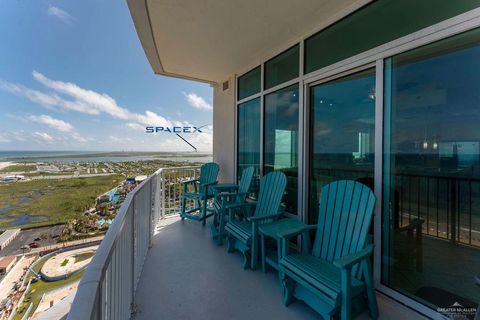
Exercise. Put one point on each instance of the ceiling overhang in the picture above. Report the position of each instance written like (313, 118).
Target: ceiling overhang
(209, 40)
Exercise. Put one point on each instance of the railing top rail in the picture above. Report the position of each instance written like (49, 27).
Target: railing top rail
(176, 168)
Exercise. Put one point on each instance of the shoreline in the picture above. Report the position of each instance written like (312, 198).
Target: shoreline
(107, 154)
(3, 165)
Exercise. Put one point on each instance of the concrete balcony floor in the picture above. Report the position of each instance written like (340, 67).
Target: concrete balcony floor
(187, 276)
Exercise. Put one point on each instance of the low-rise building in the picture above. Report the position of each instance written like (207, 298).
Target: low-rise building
(6, 264)
(7, 237)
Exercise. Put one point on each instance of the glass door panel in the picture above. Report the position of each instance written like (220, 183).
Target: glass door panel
(249, 140)
(431, 209)
(342, 132)
(281, 140)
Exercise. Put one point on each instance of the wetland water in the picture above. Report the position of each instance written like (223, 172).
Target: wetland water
(25, 217)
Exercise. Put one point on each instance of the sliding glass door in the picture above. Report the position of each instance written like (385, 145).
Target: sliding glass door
(248, 139)
(342, 129)
(281, 140)
(431, 173)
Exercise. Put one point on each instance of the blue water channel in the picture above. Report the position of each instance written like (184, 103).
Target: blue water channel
(25, 217)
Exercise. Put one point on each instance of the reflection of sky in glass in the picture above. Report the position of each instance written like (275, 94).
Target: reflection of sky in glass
(436, 102)
(341, 110)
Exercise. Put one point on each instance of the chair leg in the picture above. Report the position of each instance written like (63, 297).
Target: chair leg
(371, 296)
(229, 244)
(182, 210)
(346, 308)
(204, 212)
(245, 260)
(279, 256)
(254, 251)
(288, 288)
(221, 226)
(262, 245)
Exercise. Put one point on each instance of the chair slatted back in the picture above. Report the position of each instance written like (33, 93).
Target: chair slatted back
(272, 188)
(208, 173)
(346, 211)
(245, 180)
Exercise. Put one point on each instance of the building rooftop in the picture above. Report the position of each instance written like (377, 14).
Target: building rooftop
(7, 235)
(5, 262)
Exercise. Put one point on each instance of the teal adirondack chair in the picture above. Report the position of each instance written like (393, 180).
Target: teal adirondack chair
(200, 192)
(337, 274)
(225, 196)
(243, 233)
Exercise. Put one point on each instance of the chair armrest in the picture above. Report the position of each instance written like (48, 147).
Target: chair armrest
(190, 181)
(239, 205)
(269, 216)
(208, 184)
(232, 194)
(352, 259)
(297, 231)
(224, 188)
(231, 208)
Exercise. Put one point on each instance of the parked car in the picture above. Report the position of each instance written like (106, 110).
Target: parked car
(33, 245)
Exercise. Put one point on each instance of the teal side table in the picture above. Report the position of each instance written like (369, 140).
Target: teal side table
(275, 230)
(217, 227)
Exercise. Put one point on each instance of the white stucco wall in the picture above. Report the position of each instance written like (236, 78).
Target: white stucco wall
(224, 131)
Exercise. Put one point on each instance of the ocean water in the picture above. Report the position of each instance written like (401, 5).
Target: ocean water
(6, 155)
(78, 156)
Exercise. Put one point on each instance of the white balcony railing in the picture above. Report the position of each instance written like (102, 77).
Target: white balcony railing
(107, 289)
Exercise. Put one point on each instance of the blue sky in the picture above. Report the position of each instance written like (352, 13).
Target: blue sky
(73, 76)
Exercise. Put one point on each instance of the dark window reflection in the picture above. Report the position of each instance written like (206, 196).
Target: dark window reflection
(281, 140)
(342, 133)
(431, 206)
(248, 139)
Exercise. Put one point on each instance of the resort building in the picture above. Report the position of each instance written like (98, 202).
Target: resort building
(7, 236)
(6, 264)
(382, 92)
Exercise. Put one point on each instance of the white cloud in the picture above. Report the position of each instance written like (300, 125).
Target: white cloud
(77, 137)
(42, 137)
(135, 126)
(46, 100)
(4, 138)
(197, 102)
(58, 125)
(67, 96)
(53, 123)
(60, 14)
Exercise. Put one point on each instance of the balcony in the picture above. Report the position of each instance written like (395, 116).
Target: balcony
(152, 265)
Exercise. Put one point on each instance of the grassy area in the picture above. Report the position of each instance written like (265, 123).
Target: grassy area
(57, 200)
(19, 168)
(83, 256)
(38, 288)
(64, 263)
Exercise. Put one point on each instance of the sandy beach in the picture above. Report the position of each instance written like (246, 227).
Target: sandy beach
(6, 164)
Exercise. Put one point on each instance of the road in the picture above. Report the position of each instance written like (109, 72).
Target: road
(72, 176)
(66, 244)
